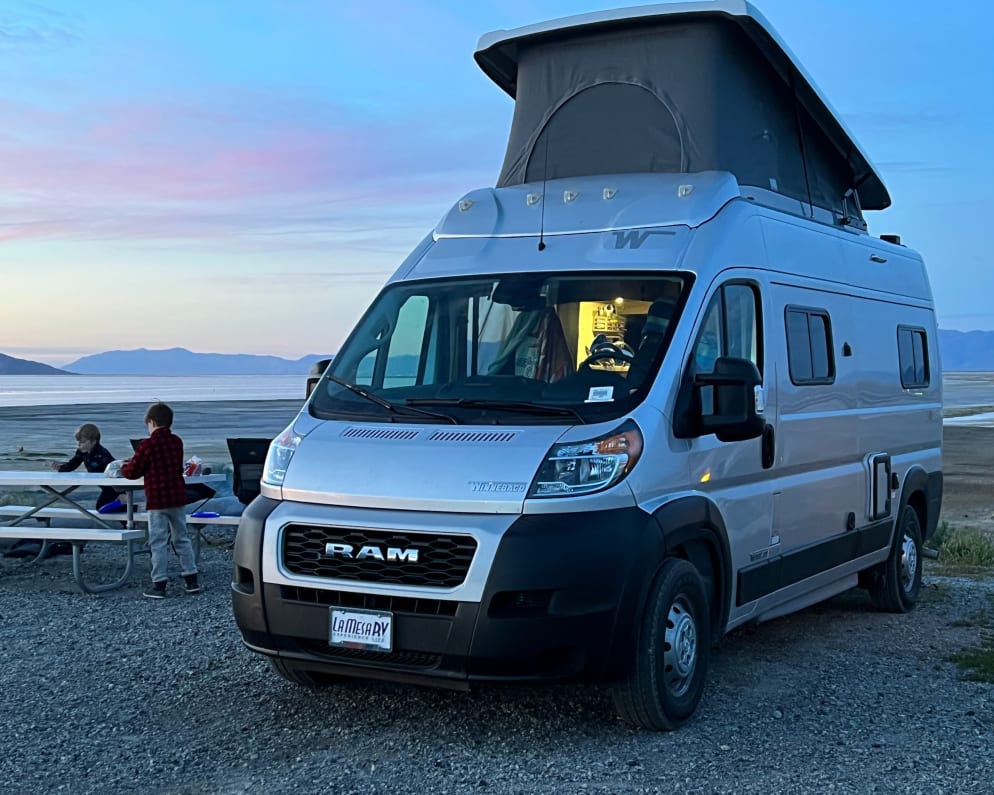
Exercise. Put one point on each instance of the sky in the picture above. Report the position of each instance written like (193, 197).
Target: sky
(242, 176)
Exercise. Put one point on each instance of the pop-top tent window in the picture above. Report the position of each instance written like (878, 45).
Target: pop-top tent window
(592, 129)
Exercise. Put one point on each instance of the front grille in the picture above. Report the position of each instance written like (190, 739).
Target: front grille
(369, 601)
(443, 560)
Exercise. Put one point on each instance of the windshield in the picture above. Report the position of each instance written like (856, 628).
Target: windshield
(521, 348)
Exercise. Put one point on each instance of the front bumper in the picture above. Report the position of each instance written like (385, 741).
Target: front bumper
(560, 600)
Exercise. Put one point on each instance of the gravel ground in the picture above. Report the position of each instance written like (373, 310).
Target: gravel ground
(119, 694)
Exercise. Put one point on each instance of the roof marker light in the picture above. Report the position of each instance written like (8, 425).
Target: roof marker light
(465, 204)
(570, 195)
(610, 193)
(533, 198)
(684, 191)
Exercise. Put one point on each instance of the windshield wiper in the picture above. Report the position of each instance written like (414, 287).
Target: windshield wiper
(540, 409)
(392, 407)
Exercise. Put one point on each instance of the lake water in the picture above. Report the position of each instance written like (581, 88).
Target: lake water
(962, 390)
(54, 390)
(38, 414)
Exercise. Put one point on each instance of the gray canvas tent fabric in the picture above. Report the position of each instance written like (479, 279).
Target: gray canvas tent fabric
(663, 96)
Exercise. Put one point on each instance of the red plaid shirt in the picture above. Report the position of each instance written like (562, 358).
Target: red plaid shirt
(159, 459)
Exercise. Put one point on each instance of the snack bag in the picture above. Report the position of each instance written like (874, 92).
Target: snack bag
(113, 469)
(194, 466)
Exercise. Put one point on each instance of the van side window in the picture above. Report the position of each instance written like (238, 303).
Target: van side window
(730, 328)
(912, 352)
(809, 346)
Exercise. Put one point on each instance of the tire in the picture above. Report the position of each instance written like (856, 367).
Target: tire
(897, 584)
(665, 679)
(299, 676)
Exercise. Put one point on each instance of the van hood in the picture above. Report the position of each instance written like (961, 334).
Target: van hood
(417, 467)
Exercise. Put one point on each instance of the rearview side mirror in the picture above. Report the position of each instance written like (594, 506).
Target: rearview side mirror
(728, 402)
(317, 370)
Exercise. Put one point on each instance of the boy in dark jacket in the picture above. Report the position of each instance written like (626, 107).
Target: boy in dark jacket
(159, 459)
(95, 458)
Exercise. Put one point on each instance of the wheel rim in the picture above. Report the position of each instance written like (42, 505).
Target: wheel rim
(680, 647)
(909, 563)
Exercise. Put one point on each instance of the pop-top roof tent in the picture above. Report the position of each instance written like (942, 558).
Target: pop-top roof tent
(701, 86)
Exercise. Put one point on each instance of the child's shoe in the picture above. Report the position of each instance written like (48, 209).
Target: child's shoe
(157, 591)
(191, 584)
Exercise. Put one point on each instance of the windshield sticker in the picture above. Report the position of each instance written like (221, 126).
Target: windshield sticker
(600, 394)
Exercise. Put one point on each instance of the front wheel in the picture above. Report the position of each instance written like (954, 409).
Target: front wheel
(897, 583)
(665, 679)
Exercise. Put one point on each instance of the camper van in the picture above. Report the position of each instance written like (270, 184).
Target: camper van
(658, 382)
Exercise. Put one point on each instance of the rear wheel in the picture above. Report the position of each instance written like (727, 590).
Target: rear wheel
(300, 676)
(898, 580)
(665, 679)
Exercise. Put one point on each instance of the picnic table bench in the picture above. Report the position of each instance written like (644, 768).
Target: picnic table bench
(113, 527)
(77, 536)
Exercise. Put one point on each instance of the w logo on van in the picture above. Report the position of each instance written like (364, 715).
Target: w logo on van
(635, 238)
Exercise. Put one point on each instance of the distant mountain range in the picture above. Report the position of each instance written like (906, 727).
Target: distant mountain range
(180, 361)
(967, 350)
(174, 361)
(960, 350)
(11, 366)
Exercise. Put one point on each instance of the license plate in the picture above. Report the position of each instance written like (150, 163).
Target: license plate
(361, 629)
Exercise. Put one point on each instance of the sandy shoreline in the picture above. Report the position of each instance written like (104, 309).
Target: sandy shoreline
(968, 476)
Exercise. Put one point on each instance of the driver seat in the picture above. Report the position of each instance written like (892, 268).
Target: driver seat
(654, 335)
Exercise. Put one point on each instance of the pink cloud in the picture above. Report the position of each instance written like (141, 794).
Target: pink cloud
(185, 171)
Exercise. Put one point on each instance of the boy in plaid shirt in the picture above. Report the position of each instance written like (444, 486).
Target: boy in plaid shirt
(159, 459)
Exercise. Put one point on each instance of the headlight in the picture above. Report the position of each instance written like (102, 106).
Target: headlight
(278, 458)
(585, 467)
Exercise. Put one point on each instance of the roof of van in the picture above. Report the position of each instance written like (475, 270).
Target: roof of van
(500, 54)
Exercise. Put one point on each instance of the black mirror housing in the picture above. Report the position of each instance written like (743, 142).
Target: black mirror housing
(317, 370)
(728, 400)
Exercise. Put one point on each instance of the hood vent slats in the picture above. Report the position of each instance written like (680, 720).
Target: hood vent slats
(488, 437)
(380, 433)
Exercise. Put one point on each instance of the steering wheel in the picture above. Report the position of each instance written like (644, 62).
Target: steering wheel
(606, 351)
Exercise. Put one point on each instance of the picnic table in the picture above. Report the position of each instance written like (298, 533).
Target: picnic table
(58, 488)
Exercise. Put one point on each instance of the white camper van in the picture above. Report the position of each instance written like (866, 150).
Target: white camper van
(658, 382)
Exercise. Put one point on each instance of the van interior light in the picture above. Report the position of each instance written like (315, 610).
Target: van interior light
(619, 300)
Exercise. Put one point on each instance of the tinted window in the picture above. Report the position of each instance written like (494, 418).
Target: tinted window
(912, 352)
(809, 346)
(730, 328)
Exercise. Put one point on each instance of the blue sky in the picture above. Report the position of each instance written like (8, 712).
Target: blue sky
(241, 176)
